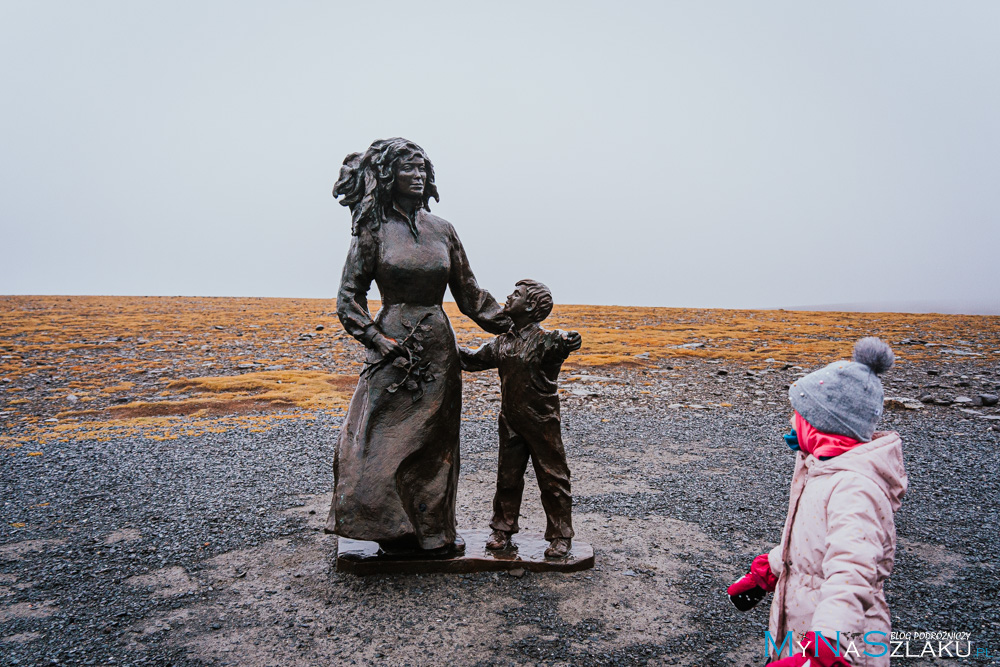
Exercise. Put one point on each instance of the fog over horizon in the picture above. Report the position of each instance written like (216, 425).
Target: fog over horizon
(722, 155)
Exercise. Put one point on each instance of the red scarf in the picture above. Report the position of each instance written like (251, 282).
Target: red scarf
(820, 444)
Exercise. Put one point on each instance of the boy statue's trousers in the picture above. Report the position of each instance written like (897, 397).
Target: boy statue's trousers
(544, 445)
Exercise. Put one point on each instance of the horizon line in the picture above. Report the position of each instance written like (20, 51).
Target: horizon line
(913, 307)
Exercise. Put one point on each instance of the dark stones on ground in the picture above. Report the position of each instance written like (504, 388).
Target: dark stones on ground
(691, 496)
(988, 399)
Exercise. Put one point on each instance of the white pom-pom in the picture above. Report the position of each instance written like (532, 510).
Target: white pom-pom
(875, 354)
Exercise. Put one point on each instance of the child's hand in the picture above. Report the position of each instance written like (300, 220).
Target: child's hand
(573, 340)
(753, 586)
(745, 595)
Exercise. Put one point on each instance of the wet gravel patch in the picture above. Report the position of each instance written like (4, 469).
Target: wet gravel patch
(190, 498)
(721, 473)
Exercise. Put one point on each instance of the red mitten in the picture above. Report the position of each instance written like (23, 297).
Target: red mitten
(826, 657)
(760, 570)
(752, 587)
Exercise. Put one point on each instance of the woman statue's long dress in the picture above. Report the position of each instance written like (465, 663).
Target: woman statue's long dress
(397, 459)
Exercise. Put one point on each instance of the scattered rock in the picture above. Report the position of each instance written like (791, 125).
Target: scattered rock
(691, 346)
(72, 398)
(642, 355)
(926, 398)
(912, 341)
(320, 327)
(586, 377)
(988, 399)
(933, 371)
(902, 403)
(961, 399)
(516, 572)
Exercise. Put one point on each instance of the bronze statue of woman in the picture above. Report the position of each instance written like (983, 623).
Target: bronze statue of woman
(397, 459)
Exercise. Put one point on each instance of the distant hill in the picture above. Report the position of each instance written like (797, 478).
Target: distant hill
(950, 307)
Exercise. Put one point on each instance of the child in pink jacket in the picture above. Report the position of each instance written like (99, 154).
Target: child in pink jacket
(839, 540)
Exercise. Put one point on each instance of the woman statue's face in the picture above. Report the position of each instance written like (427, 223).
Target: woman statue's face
(411, 177)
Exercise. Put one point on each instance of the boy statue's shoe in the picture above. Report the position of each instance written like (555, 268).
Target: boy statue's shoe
(558, 548)
(499, 539)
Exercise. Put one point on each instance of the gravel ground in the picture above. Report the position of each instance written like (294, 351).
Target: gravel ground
(208, 549)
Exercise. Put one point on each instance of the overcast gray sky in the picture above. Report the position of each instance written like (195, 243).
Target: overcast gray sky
(710, 154)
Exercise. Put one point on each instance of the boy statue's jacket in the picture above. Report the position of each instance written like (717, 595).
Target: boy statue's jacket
(528, 361)
(838, 545)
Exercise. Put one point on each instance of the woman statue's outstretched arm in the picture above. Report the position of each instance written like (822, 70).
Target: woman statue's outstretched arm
(472, 300)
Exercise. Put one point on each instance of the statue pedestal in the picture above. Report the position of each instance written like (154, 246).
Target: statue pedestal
(527, 553)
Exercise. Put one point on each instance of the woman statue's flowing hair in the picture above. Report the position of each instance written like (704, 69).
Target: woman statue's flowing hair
(366, 181)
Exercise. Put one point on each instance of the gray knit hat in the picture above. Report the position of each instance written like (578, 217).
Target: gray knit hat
(845, 398)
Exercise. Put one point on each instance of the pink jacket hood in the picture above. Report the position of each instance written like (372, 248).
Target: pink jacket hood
(880, 460)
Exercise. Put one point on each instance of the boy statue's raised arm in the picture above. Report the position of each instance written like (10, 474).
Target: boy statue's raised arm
(561, 344)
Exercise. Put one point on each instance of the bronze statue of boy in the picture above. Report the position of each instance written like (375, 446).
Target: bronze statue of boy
(528, 359)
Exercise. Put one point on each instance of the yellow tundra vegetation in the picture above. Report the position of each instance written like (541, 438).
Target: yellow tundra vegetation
(127, 360)
(231, 394)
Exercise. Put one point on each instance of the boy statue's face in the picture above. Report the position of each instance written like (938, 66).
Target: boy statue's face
(518, 307)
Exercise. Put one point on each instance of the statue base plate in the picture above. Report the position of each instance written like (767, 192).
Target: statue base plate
(527, 553)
